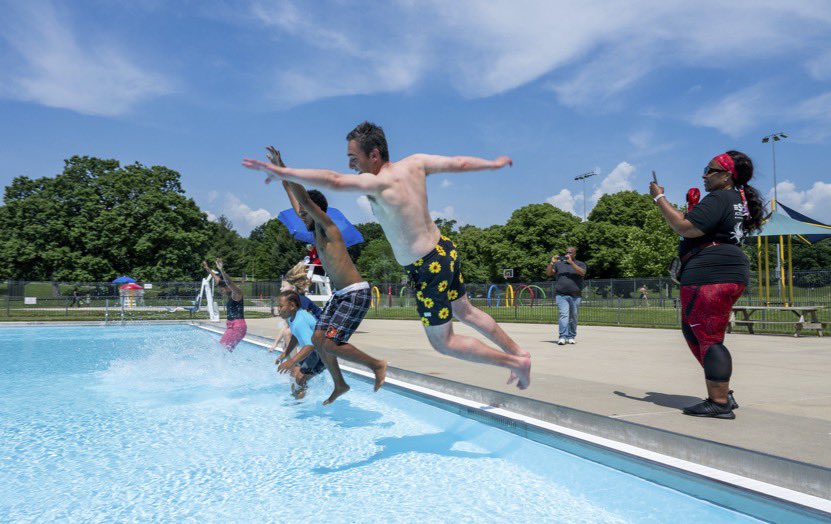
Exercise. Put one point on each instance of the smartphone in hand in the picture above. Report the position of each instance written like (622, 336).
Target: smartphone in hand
(654, 177)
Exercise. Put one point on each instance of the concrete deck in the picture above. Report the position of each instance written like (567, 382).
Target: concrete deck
(782, 384)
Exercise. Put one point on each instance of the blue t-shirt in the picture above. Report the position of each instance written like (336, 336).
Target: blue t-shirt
(311, 307)
(302, 327)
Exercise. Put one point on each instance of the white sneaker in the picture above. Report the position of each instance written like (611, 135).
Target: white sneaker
(561, 342)
(571, 341)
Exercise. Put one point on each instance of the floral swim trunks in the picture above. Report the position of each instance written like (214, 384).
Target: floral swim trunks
(438, 281)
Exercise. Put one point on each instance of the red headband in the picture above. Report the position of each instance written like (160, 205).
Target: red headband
(726, 162)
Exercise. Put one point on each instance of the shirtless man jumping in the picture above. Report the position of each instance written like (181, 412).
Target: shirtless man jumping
(397, 192)
(349, 303)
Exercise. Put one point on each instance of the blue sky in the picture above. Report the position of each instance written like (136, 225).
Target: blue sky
(561, 87)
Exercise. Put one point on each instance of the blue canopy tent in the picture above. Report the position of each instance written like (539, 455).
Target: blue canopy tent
(803, 218)
(781, 225)
(123, 280)
(298, 230)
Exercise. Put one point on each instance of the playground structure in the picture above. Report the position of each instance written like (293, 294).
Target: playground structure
(525, 295)
(131, 295)
(782, 227)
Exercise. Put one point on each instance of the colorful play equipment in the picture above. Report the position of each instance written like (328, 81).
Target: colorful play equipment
(131, 295)
(782, 226)
(530, 290)
(513, 299)
(376, 296)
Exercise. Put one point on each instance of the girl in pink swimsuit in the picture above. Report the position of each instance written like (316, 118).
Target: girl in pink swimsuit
(235, 326)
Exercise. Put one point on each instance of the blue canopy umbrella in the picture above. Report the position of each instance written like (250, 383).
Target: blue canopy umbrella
(803, 218)
(298, 230)
(123, 280)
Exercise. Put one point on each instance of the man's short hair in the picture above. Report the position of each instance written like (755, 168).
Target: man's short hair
(370, 136)
(318, 198)
(292, 297)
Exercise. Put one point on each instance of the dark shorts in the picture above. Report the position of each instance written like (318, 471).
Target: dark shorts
(312, 364)
(343, 314)
(438, 281)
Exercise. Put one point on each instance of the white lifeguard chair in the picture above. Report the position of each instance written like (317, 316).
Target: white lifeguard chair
(207, 291)
(321, 288)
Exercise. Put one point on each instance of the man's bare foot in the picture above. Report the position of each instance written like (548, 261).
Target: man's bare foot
(523, 373)
(512, 377)
(380, 375)
(335, 394)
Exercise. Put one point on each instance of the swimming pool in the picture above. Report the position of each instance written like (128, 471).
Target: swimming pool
(158, 423)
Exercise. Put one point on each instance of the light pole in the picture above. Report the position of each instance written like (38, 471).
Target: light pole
(583, 177)
(780, 259)
(773, 138)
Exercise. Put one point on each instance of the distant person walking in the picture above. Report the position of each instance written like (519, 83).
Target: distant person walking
(714, 270)
(569, 273)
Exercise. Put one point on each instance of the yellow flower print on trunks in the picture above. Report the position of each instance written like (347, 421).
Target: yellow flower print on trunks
(437, 280)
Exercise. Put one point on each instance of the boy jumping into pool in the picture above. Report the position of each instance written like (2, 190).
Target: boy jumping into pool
(349, 303)
(397, 192)
(306, 363)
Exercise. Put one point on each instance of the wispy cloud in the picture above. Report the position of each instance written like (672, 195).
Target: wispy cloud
(739, 112)
(244, 217)
(567, 201)
(812, 201)
(55, 68)
(589, 52)
(619, 179)
(366, 207)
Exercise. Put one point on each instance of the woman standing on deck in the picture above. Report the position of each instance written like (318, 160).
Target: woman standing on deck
(236, 328)
(714, 270)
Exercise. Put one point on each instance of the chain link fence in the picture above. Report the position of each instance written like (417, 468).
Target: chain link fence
(638, 302)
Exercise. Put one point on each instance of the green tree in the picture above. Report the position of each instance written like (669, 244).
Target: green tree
(624, 208)
(271, 250)
(650, 249)
(377, 263)
(97, 219)
(225, 243)
(529, 238)
(602, 246)
(370, 231)
(475, 248)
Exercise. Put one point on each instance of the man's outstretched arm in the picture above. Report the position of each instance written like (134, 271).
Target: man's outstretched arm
(276, 159)
(459, 164)
(365, 183)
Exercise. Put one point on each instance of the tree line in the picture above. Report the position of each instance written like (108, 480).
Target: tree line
(98, 219)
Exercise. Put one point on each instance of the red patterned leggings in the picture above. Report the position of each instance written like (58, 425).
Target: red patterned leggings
(705, 312)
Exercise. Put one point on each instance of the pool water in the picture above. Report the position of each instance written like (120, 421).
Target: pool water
(158, 423)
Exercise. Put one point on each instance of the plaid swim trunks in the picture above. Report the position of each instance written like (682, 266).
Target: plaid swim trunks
(438, 281)
(344, 312)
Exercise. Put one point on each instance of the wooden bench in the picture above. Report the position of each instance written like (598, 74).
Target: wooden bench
(799, 324)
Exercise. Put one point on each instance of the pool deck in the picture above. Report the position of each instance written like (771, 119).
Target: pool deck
(645, 376)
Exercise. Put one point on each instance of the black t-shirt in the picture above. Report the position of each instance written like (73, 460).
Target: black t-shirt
(568, 281)
(719, 217)
(307, 304)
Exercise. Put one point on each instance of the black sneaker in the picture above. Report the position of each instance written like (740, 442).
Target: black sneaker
(732, 400)
(708, 408)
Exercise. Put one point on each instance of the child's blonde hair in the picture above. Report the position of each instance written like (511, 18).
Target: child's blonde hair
(296, 276)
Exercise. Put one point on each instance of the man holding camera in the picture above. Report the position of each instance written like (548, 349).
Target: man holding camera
(569, 273)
